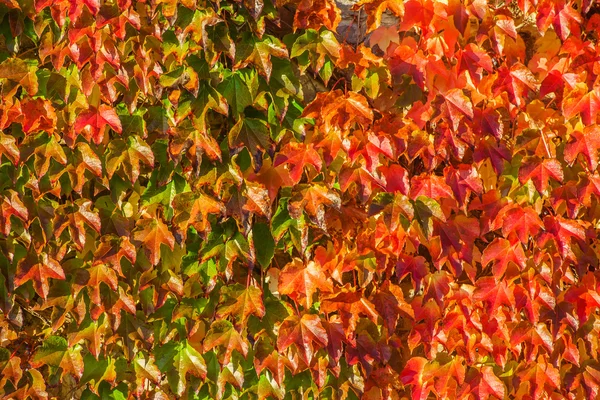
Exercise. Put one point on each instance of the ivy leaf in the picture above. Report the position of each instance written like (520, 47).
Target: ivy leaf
(489, 385)
(313, 200)
(580, 101)
(223, 334)
(145, 370)
(251, 133)
(539, 376)
(94, 122)
(55, 352)
(586, 143)
(301, 281)
(264, 244)
(236, 91)
(259, 53)
(11, 206)
(127, 157)
(193, 210)
(296, 156)
(240, 303)
(38, 268)
(195, 142)
(306, 333)
(9, 149)
(540, 171)
(152, 233)
(318, 45)
(417, 374)
(501, 252)
(458, 105)
(187, 360)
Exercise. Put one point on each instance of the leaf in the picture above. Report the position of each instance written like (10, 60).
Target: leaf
(145, 370)
(523, 222)
(223, 334)
(93, 122)
(586, 143)
(296, 156)
(416, 373)
(458, 105)
(93, 332)
(14, 69)
(580, 101)
(240, 303)
(152, 233)
(374, 9)
(489, 384)
(38, 115)
(259, 53)
(301, 281)
(9, 149)
(314, 14)
(540, 171)
(38, 268)
(195, 142)
(306, 333)
(11, 206)
(186, 360)
(193, 210)
(127, 157)
(540, 375)
(55, 352)
(236, 91)
(251, 133)
(432, 186)
(313, 200)
(319, 45)
(501, 252)
(264, 244)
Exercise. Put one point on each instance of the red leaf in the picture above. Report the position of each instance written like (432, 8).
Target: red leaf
(431, 186)
(95, 120)
(306, 333)
(540, 171)
(586, 143)
(501, 252)
(38, 269)
(301, 280)
(296, 156)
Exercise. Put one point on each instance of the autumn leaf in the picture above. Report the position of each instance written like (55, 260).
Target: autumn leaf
(458, 105)
(11, 206)
(586, 143)
(259, 53)
(501, 252)
(193, 210)
(92, 123)
(223, 335)
(55, 352)
(240, 303)
(152, 233)
(8, 148)
(128, 157)
(296, 156)
(38, 268)
(374, 9)
(540, 171)
(306, 333)
(301, 281)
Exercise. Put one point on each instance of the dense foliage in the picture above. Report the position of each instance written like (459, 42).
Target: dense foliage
(227, 199)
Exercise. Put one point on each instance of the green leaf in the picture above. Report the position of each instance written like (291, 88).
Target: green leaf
(236, 91)
(186, 360)
(264, 244)
(252, 133)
